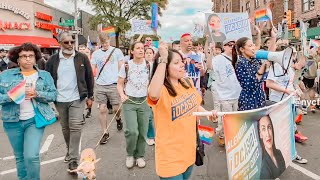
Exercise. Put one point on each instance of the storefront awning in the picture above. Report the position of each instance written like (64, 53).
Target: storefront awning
(12, 40)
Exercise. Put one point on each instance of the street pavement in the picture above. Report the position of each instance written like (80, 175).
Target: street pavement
(113, 154)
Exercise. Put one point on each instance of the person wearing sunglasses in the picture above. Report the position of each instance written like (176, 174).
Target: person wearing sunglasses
(226, 85)
(73, 78)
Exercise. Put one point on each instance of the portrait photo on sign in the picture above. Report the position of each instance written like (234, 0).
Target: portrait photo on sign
(222, 26)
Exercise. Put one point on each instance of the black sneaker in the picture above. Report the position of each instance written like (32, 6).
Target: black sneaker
(110, 111)
(119, 124)
(72, 166)
(67, 158)
(88, 113)
(105, 138)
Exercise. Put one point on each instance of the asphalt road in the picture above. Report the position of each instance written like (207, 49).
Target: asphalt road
(113, 154)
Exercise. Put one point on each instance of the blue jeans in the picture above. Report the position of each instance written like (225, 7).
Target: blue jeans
(25, 140)
(183, 176)
(150, 133)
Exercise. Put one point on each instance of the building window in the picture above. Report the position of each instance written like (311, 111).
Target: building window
(241, 8)
(227, 8)
(248, 6)
(257, 3)
(307, 5)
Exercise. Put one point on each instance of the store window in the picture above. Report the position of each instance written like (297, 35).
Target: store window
(248, 6)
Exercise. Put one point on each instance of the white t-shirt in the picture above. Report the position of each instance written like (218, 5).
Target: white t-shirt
(226, 83)
(283, 81)
(26, 108)
(109, 74)
(138, 79)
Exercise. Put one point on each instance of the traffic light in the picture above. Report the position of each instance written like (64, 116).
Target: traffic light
(288, 16)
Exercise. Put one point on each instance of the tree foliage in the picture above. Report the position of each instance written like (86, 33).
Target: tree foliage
(118, 13)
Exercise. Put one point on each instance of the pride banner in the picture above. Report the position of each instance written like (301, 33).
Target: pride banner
(260, 143)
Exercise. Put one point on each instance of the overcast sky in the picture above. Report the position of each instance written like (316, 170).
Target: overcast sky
(177, 19)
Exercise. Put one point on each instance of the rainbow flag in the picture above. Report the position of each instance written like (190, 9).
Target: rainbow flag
(110, 30)
(206, 134)
(263, 15)
(18, 93)
(314, 43)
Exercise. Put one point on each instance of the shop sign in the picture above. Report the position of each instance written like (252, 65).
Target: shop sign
(4, 25)
(45, 26)
(43, 16)
(15, 10)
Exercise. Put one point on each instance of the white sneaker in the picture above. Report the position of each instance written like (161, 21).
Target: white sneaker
(98, 106)
(300, 160)
(130, 162)
(150, 142)
(140, 163)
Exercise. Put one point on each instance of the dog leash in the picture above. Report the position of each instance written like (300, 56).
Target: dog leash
(137, 103)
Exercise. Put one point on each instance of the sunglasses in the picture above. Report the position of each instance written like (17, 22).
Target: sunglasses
(230, 44)
(68, 42)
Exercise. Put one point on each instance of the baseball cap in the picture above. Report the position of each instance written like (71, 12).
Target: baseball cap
(227, 41)
(185, 35)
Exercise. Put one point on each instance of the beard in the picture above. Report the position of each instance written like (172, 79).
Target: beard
(66, 51)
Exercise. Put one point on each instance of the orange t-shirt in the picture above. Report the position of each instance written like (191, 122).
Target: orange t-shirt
(175, 148)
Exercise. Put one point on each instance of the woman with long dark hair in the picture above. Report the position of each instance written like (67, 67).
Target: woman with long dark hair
(173, 99)
(273, 163)
(19, 117)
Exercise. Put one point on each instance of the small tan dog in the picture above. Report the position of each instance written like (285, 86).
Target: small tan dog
(87, 167)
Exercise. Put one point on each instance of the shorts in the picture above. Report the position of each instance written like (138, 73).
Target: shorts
(103, 93)
(309, 83)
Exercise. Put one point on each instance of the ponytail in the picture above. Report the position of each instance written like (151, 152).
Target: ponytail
(234, 56)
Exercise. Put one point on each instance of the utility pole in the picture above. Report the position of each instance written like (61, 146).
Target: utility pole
(76, 23)
(286, 31)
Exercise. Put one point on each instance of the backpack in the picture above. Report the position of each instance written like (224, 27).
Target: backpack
(126, 68)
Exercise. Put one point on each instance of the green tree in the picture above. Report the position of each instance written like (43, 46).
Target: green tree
(118, 13)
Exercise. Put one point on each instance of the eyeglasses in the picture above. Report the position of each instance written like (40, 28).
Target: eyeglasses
(68, 42)
(26, 57)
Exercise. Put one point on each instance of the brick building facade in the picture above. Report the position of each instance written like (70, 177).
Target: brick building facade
(306, 10)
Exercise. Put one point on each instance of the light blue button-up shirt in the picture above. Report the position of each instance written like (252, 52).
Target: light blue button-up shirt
(67, 86)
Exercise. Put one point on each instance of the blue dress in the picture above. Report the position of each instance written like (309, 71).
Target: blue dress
(252, 95)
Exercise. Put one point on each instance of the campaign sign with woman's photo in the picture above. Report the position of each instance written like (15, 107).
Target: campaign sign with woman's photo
(260, 143)
(231, 26)
(191, 66)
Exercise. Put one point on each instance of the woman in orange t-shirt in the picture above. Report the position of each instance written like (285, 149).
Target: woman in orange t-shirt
(173, 101)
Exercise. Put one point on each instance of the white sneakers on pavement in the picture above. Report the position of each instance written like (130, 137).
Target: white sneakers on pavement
(141, 163)
(150, 142)
(130, 162)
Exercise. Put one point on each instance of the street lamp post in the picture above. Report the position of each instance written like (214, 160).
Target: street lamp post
(76, 23)
(286, 8)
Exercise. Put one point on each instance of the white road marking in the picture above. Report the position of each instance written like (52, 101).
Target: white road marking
(47, 143)
(44, 148)
(305, 171)
(42, 163)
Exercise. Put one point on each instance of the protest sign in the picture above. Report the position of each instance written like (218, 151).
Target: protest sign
(303, 35)
(255, 138)
(191, 69)
(228, 26)
(141, 27)
(198, 30)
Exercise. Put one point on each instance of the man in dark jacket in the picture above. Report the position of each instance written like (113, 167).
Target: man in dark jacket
(72, 75)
